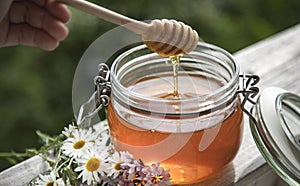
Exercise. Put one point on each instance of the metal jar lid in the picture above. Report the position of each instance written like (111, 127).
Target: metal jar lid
(276, 131)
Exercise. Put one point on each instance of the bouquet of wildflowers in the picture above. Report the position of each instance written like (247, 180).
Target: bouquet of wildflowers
(85, 157)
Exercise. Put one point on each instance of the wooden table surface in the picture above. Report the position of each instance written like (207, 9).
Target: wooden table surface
(277, 61)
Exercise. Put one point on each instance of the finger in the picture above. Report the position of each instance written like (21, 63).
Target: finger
(25, 12)
(56, 9)
(23, 34)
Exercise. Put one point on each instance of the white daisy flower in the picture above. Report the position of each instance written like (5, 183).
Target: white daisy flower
(92, 167)
(81, 142)
(68, 132)
(46, 180)
(115, 161)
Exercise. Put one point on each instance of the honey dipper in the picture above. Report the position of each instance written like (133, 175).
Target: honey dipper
(165, 37)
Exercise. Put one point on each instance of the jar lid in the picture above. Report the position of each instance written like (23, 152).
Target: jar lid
(276, 131)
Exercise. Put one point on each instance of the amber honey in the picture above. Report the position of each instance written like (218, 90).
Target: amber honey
(191, 153)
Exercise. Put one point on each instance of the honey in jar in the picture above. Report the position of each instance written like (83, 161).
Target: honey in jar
(197, 131)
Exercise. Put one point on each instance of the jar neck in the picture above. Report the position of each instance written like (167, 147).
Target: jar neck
(214, 66)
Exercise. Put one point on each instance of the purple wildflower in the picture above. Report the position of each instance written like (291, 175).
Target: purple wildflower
(155, 175)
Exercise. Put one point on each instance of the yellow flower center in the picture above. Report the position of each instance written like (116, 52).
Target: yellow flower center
(118, 166)
(92, 164)
(156, 178)
(50, 183)
(79, 144)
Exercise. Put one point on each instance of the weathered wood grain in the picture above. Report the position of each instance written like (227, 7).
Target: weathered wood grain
(277, 61)
(22, 173)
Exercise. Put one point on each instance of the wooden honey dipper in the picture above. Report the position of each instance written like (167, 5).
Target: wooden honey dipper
(165, 37)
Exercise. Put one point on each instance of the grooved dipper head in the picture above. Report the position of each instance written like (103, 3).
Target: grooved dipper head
(170, 38)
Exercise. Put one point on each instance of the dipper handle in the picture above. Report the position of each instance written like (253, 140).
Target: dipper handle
(165, 37)
(108, 15)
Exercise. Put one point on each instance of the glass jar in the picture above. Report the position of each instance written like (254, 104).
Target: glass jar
(194, 136)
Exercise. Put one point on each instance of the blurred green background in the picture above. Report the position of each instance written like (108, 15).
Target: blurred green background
(36, 86)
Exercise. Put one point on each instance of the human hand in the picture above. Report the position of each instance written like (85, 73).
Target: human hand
(39, 23)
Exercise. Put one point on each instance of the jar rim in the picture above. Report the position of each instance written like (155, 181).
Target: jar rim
(231, 85)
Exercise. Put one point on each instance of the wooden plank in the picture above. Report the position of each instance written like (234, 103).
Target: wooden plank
(263, 176)
(276, 60)
(22, 173)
